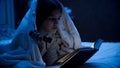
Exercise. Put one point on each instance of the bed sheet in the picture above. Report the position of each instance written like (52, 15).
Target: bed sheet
(108, 56)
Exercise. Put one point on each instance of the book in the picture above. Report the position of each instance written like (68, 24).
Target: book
(79, 56)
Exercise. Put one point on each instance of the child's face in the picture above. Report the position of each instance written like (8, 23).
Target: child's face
(50, 24)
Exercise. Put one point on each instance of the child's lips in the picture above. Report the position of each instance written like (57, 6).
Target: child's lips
(54, 27)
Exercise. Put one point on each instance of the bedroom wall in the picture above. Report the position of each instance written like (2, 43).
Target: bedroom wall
(6, 19)
(21, 7)
(96, 18)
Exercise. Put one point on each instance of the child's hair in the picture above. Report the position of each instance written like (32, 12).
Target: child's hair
(44, 9)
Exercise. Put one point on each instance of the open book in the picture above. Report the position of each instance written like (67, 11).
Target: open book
(79, 56)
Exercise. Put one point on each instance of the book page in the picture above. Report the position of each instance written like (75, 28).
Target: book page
(68, 56)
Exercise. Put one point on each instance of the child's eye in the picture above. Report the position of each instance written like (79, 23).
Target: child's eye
(53, 19)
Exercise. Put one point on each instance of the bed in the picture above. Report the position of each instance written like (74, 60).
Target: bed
(108, 55)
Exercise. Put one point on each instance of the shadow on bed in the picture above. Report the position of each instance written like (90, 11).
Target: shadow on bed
(95, 65)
